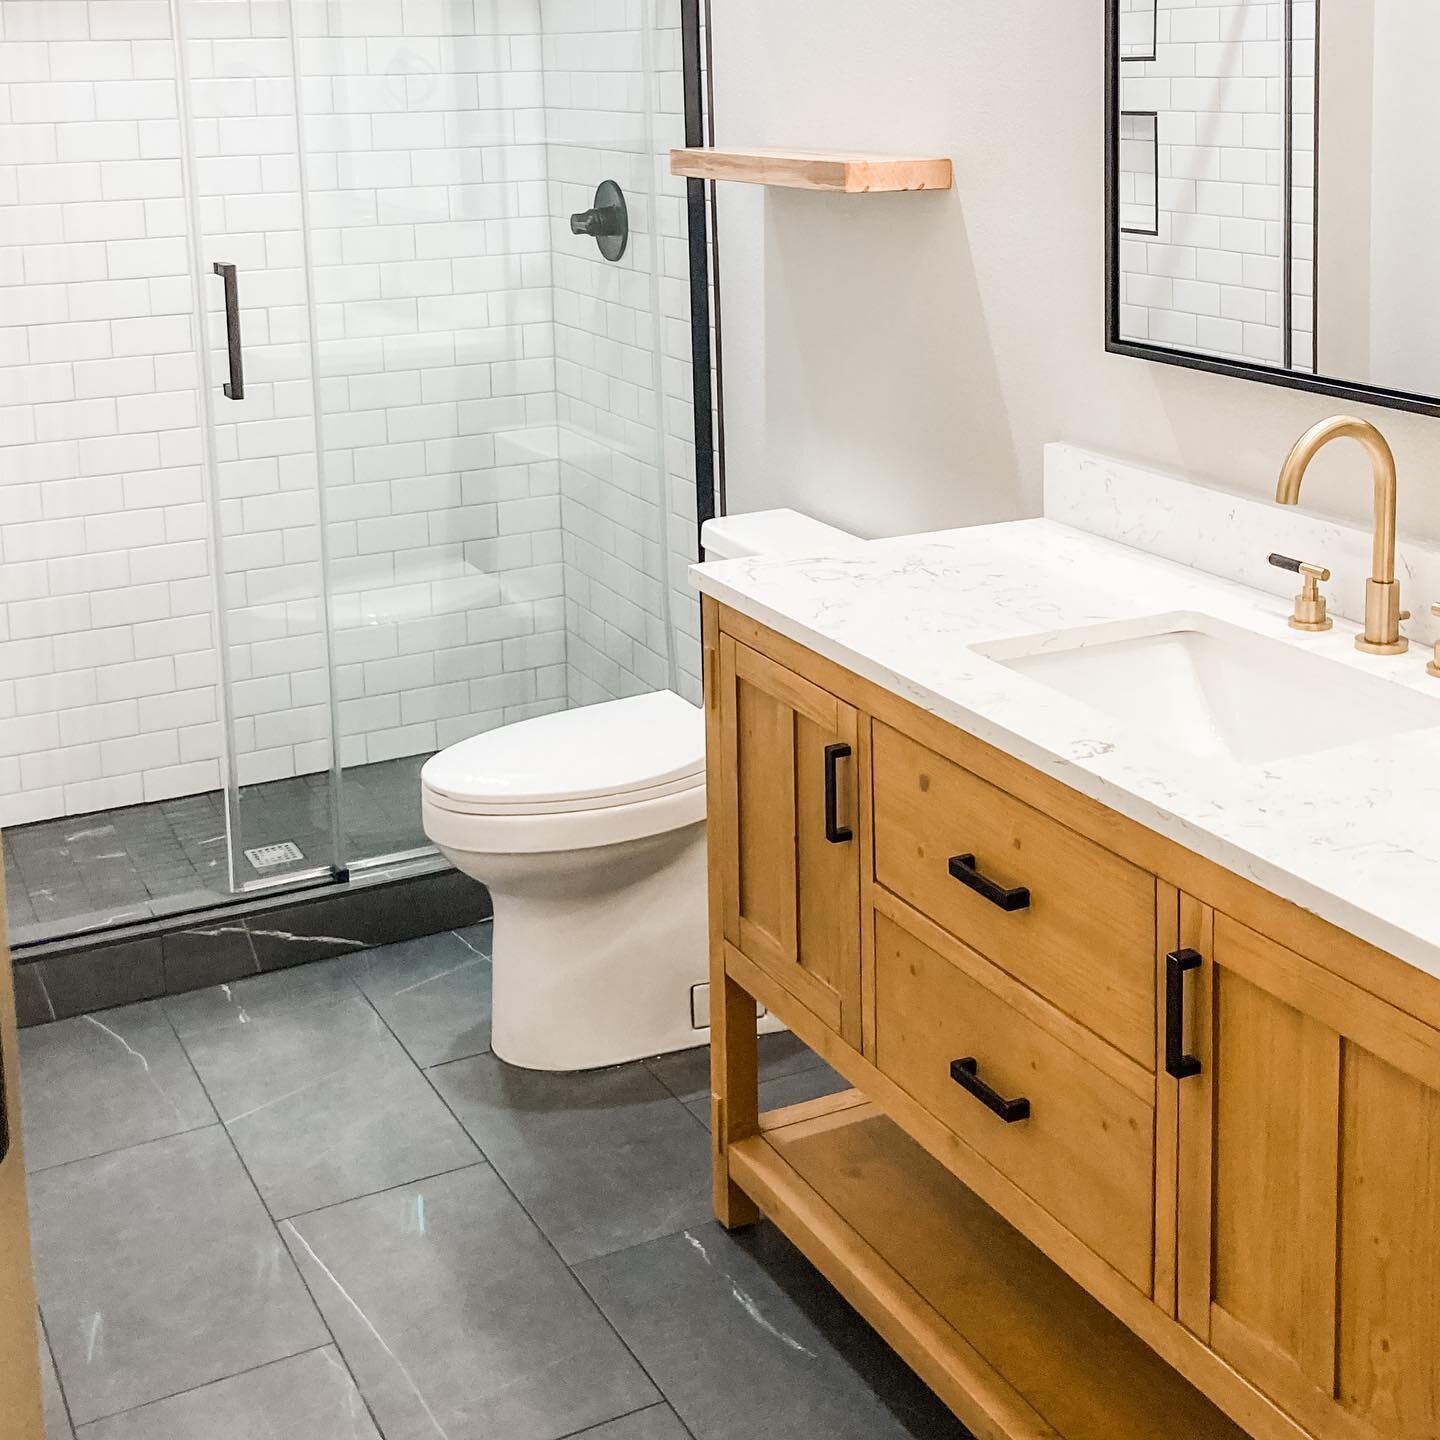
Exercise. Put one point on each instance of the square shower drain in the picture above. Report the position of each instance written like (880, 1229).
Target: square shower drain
(266, 857)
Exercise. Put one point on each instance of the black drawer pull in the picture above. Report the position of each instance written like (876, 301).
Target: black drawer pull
(966, 1074)
(1177, 1062)
(962, 867)
(835, 832)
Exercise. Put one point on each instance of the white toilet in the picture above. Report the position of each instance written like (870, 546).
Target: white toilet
(588, 828)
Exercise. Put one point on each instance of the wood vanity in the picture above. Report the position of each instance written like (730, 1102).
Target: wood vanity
(1136, 1148)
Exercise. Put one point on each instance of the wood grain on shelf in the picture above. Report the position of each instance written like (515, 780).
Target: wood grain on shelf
(1014, 1346)
(846, 173)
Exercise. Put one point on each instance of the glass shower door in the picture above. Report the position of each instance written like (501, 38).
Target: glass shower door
(427, 187)
(261, 429)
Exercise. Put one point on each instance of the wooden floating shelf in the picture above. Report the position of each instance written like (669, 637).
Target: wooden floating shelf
(1012, 1344)
(832, 170)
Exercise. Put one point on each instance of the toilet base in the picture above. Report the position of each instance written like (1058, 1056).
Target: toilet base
(596, 952)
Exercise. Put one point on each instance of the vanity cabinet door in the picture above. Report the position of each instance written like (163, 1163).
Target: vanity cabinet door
(789, 826)
(1309, 1195)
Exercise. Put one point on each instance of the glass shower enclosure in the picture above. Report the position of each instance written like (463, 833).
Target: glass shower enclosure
(328, 442)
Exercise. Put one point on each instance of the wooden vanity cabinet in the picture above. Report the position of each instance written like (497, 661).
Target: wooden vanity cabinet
(1308, 1200)
(1204, 1126)
(789, 806)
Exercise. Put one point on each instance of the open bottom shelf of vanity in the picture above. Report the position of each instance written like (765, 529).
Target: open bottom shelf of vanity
(1014, 1346)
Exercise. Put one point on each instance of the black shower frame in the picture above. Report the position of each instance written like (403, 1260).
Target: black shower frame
(1160, 354)
(696, 34)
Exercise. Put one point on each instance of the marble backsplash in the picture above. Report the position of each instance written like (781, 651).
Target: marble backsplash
(1232, 536)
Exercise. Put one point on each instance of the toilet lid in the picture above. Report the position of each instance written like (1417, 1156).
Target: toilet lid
(620, 750)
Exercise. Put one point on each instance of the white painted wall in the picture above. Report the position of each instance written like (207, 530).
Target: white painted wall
(896, 363)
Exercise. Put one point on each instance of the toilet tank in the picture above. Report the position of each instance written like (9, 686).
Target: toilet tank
(771, 532)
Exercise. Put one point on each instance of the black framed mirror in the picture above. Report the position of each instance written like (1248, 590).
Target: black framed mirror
(1272, 207)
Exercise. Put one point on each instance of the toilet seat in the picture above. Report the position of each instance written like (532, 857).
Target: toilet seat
(620, 770)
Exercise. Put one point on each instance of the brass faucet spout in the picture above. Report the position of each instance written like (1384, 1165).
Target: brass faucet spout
(1382, 598)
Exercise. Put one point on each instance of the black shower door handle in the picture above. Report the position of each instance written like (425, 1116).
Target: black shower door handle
(235, 385)
(835, 832)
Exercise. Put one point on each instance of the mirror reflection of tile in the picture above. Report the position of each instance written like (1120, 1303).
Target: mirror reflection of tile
(1217, 122)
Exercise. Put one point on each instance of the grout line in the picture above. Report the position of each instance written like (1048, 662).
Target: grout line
(275, 1226)
(550, 1245)
(481, 1163)
(193, 1389)
(616, 1419)
(54, 1366)
(135, 1145)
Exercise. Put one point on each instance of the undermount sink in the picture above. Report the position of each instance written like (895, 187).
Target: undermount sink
(1216, 690)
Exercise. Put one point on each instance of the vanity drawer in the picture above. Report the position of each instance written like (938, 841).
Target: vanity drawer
(1085, 1152)
(1085, 939)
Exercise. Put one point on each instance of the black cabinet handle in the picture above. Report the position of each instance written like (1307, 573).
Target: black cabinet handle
(962, 867)
(835, 832)
(966, 1074)
(1177, 964)
(235, 386)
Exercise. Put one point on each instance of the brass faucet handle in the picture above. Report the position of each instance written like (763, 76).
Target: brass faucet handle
(1434, 666)
(1310, 604)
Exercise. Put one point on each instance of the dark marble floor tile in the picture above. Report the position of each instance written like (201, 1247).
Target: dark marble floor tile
(434, 993)
(369, 915)
(262, 998)
(602, 1160)
(659, 1422)
(784, 1090)
(481, 936)
(307, 1397)
(746, 1338)
(158, 1271)
(75, 873)
(324, 1104)
(206, 955)
(103, 1082)
(57, 1417)
(32, 1001)
(458, 1319)
(87, 980)
(686, 1073)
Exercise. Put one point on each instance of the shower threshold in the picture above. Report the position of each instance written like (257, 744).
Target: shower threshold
(80, 873)
(124, 905)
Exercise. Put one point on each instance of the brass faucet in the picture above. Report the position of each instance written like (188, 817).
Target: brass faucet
(1382, 591)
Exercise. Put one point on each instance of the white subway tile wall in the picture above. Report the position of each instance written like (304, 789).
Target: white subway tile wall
(425, 133)
(622, 351)
(469, 384)
(108, 666)
(1213, 278)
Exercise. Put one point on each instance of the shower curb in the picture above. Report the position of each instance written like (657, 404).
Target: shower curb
(56, 980)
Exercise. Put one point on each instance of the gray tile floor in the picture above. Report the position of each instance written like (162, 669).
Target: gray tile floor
(312, 1205)
(83, 872)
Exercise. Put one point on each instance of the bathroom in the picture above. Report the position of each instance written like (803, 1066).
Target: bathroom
(387, 827)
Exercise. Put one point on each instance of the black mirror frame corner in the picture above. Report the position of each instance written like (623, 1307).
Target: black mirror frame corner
(1160, 354)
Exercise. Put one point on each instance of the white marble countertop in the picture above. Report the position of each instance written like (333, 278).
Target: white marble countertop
(1352, 834)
